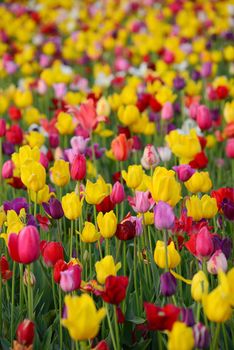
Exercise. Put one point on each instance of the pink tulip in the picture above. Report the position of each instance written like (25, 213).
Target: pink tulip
(86, 115)
(217, 262)
(71, 278)
(150, 157)
(193, 110)
(230, 148)
(167, 111)
(117, 195)
(141, 202)
(78, 167)
(204, 243)
(204, 117)
(7, 169)
(2, 127)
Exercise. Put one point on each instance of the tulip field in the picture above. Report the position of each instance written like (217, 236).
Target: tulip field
(116, 174)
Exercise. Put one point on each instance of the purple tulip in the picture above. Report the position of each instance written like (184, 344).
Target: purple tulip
(184, 171)
(201, 336)
(228, 209)
(140, 203)
(16, 204)
(168, 284)
(164, 216)
(179, 83)
(53, 208)
(187, 316)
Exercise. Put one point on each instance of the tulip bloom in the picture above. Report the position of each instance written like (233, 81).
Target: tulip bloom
(164, 216)
(184, 172)
(89, 233)
(115, 289)
(198, 209)
(173, 256)
(168, 284)
(128, 115)
(70, 279)
(96, 192)
(200, 286)
(180, 337)
(126, 230)
(204, 117)
(51, 252)
(107, 224)
(33, 175)
(78, 168)
(105, 268)
(117, 195)
(199, 182)
(141, 202)
(86, 115)
(121, 147)
(150, 157)
(65, 124)
(204, 243)
(217, 262)
(161, 318)
(134, 176)
(72, 206)
(83, 320)
(53, 208)
(60, 174)
(5, 271)
(25, 332)
(24, 247)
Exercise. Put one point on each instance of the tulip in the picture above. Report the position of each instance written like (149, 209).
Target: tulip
(229, 149)
(54, 140)
(180, 337)
(200, 286)
(106, 205)
(228, 112)
(164, 153)
(126, 230)
(24, 247)
(173, 256)
(59, 266)
(33, 176)
(228, 209)
(187, 316)
(78, 168)
(89, 233)
(79, 144)
(29, 279)
(198, 209)
(53, 208)
(193, 108)
(83, 320)
(72, 206)
(4, 269)
(179, 83)
(96, 192)
(117, 195)
(164, 216)
(134, 176)
(70, 279)
(168, 284)
(161, 318)
(201, 336)
(60, 174)
(105, 268)
(199, 182)
(14, 135)
(150, 157)
(41, 196)
(128, 115)
(86, 115)
(140, 203)
(7, 169)
(164, 187)
(204, 244)
(25, 332)
(115, 289)
(217, 262)
(121, 147)
(206, 69)
(204, 118)
(167, 111)
(51, 252)
(14, 113)
(2, 127)
(65, 124)
(184, 172)
(107, 224)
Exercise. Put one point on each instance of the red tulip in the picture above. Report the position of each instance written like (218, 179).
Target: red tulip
(51, 252)
(78, 168)
(4, 268)
(106, 205)
(14, 113)
(14, 135)
(121, 147)
(126, 231)
(2, 127)
(115, 289)
(25, 332)
(161, 318)
(59, 266)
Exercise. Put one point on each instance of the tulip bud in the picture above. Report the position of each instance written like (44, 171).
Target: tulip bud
(204, 243)
(204, 118)
(201, 336)
(200, 286)
(168, 284)
(71, 278)
(150, 157)
(53, 208)
(54, 140)
(164, 153)
(7, 169)
(167, 111)
(164, 216)
(184, 171)
(25, 332)
(102, 345)
(2, 127)
(29, 279)
(117, 195)
(217, 262)
(187, 316)
(52, 252)
(78, 168)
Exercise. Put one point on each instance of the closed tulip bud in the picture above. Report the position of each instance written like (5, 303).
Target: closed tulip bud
(106, 267)
(200, 286)
(121, 147)
(199, 182)
(89, 233)
(60, 174)
(217, 262)
(164, 216)
(150, 157)
(193, 110)
(204, 243)
(70, 279)
(168, 284)
(173, 256)
(96, 192)
(51, 252)
(7, 169)
(164, 153)
(2, 127)
(115, 289)
(29, 278)
(25, 332)
(102, 345)
(53, 208)
(229, 149)
(187, 316)
(201, 336)
(180, 337)
(167, 111)
(134, 176)
(184, 172)
(78, 168)
(204, 118)
(33, 175)
(54, 140)
(72, 206)
(117, 195)
(24, 247)
(107, 224)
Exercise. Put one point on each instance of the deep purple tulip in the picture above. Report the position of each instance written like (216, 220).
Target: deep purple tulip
(168, 284)
(164, 216)
(187, 316)
(196, 75)
(226, 247)
(201, 336)
(179, 83)
(16, 204)
(8, 148)
(53, 208)
(228, 209)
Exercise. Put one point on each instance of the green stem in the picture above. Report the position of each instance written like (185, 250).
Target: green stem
(116, 328)
(30, 296)
(12, 300)
(1, 328)
(71, 238)
(53, 290)
(110, 327)
(135, 275)
(166, 254)
(21, 288)
(60, 325)
(216, 337)
(107, 246)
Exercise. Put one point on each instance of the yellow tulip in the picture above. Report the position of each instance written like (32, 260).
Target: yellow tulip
(83, 319)
(197, 208)
(23, 99)
(134, 176)
(128, 115)
(180, 337)
(199, 182)
(200, 286)
(96, 192)
(33, 175)
(173, 256)
(41, 196)
(60, 174)
(72, 206)
(89, 233)
(164, 187)
(65, 124)
(35, 138)
(107, 224)
(228, 112)
(105, 268)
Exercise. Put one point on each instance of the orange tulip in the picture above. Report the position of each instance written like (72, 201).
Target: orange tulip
(121, 147)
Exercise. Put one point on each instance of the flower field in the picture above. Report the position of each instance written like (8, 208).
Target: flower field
(116, 174)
